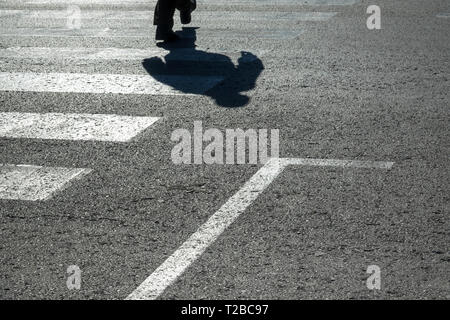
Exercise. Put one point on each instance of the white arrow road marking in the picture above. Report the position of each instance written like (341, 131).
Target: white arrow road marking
(168, 272)
(35, 183)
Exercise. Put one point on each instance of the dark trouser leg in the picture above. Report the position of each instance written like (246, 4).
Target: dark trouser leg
(163, 18)
(164, 11)
(186, 7)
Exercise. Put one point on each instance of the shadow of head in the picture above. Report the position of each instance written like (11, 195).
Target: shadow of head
(192, 71)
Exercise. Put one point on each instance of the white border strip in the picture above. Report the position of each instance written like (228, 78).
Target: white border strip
(167, 273)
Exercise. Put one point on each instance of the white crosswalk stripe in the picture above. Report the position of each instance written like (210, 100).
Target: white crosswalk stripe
(444, 15)
(35, 183)
(202, 16)
(205, 2)
(136, 24)
(283, 34)
(72, 53)
(97, 127)
(106, 83)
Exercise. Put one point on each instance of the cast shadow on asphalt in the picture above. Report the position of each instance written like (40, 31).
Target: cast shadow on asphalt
(228, 82)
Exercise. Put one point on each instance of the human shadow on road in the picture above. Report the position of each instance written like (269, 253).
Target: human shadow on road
(209, 74)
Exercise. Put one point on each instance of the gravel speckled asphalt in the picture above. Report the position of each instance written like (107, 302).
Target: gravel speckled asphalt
(335, 89)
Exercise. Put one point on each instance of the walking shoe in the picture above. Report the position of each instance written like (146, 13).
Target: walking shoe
(185, 16)
(166, 34)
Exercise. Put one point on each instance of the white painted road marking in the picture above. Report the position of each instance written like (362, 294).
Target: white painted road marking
(336, 163)
(59, 126)
(206, 2)
(200, 16)
(56, 54)
(443, 15)
(35, 183)
(193, 248)
(167, 273)
(144, 33)
(106, 83)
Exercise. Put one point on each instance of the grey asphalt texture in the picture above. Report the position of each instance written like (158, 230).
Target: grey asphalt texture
(335, 91)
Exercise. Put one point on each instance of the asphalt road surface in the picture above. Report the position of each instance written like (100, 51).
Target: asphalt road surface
(88, 106)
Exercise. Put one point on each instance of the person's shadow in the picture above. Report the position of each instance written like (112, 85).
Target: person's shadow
(199, 72)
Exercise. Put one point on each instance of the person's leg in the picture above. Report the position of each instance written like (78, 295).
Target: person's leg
(186, 7)
(164, 12)
(163, 19)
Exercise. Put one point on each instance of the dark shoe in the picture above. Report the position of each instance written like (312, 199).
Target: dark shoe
(166, 34)
(172, 37)
(185, 16)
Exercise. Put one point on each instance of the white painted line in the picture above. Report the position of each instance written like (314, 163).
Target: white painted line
(58, 54)
(59, 126)
(251, 17)
(74, 2)
(444, 15)
(85, 53)
(200, 16)
(10, 12)
(139, 33)
(168, 272)
(193, 248)
(337, 163)
(35, 183)
(106, 83)
(283, 2)
(52, 14)
(71, 33)
(204, 2)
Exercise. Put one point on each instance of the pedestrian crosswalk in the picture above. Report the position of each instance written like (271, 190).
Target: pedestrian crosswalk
(135, 24)
(39, 183)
